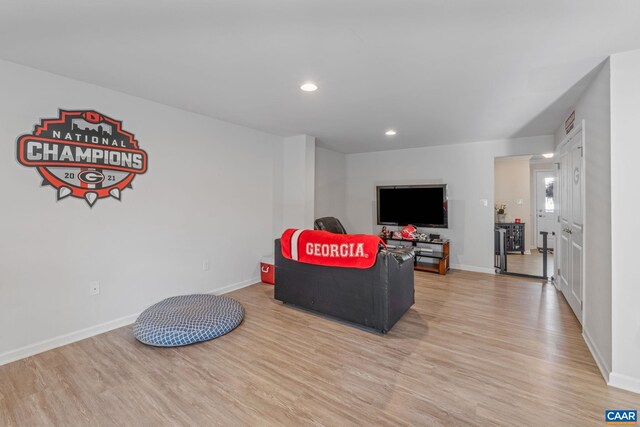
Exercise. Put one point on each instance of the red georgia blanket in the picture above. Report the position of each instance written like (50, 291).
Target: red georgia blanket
(329, 249)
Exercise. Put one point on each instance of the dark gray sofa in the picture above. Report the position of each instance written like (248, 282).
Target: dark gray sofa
(376, 297)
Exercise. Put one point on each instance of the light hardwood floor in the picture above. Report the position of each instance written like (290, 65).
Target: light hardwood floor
(475, 349)
(529, 263)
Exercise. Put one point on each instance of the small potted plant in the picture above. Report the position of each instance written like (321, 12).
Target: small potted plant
(501, 213)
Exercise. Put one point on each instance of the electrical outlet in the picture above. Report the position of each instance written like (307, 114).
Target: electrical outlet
(484, 202)
(94, 288)
(205, 265)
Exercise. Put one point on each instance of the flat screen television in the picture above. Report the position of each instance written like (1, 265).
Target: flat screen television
(419, 205)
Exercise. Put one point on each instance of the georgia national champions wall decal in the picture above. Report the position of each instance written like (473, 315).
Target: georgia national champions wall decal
(83, 154)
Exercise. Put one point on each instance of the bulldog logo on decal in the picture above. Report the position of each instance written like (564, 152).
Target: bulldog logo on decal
(83, 154)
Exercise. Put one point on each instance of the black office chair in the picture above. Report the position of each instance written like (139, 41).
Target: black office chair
(330, 224)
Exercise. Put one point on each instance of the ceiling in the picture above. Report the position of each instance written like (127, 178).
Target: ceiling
(438, 72)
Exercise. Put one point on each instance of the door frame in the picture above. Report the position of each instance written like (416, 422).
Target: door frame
(560, 149)
(535, 203)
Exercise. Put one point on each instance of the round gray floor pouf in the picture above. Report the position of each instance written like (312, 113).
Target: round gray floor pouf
(187, 319)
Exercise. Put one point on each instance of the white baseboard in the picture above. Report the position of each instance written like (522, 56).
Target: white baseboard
(235, 286)
(597, 356)
(473, 268)
(59, 341)
(624, 382)
(613, 379)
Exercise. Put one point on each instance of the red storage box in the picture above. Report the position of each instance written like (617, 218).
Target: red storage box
(267, 270)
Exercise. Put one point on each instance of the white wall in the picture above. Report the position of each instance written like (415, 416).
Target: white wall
(625, 227)
(594, 107)
(468, 169)
(294, 183)
(208, 194)
(512, 184)
(330, 191)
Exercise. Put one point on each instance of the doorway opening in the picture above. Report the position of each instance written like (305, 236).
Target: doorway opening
(525, 193)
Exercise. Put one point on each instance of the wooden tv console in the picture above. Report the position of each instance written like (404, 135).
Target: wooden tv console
(437, 251)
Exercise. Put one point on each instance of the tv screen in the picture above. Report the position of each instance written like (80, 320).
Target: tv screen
(419, 205)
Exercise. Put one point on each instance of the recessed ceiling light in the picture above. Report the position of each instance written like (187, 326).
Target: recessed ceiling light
(309, 87)
(548, 155)
(390, 132)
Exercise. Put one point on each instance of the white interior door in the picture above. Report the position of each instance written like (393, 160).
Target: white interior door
(545, 205)
(570, 251)
(563, 237)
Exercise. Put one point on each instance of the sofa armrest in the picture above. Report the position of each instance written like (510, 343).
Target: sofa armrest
(402, 255)
(401, 283)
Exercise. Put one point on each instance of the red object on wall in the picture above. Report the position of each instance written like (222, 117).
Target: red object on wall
(568, 124)
(517, 220)
(267, 271)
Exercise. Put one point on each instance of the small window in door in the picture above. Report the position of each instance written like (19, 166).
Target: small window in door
(549, 204)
